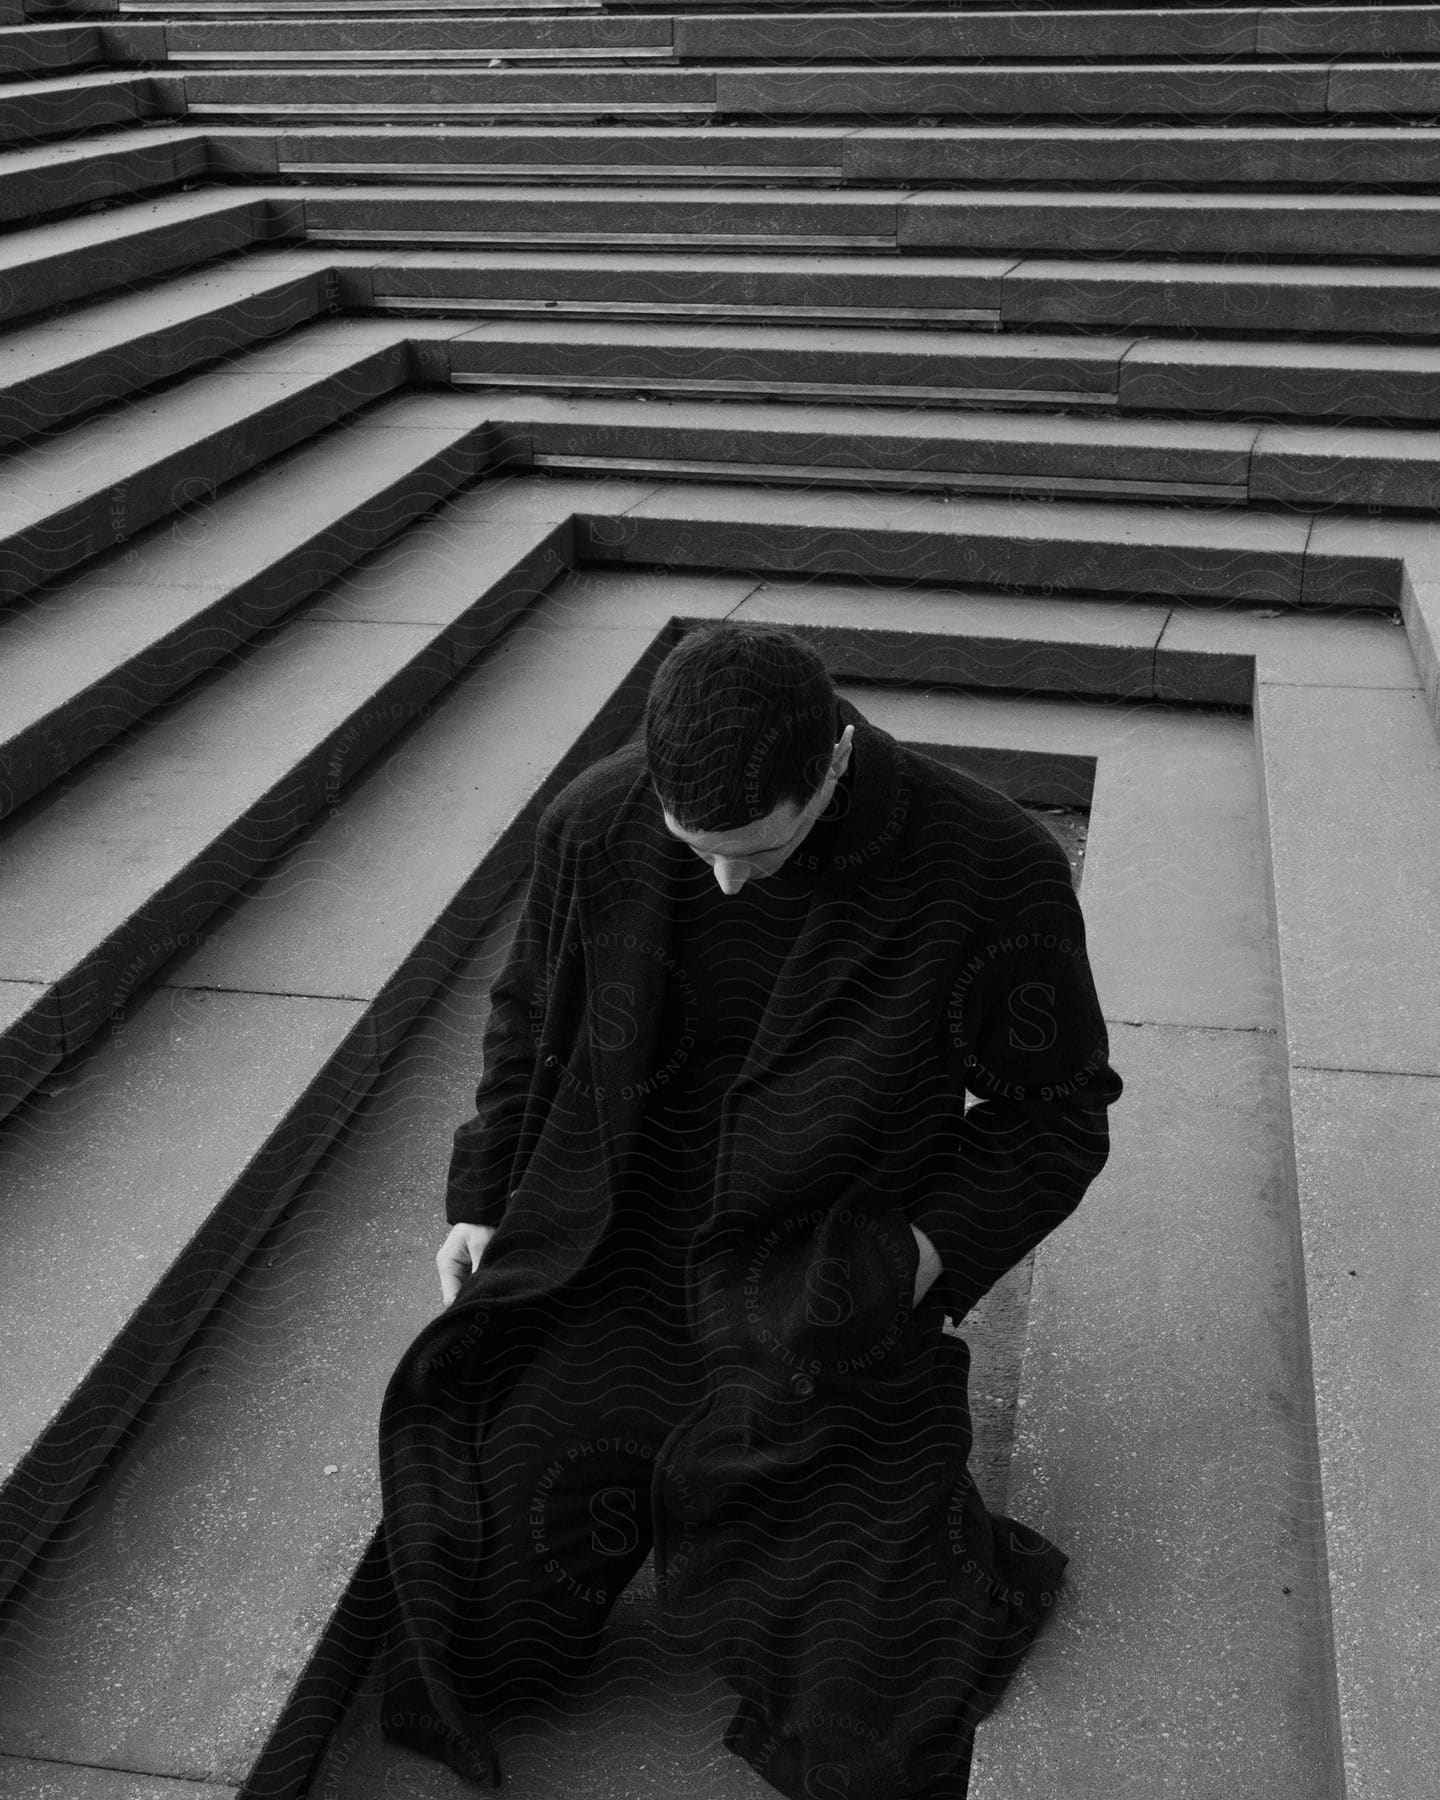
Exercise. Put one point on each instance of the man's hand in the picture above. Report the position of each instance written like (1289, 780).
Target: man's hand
(930, 1267)
(459, 1256)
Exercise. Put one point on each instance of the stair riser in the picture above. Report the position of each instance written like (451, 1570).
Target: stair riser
(30, 761)
(974, 223)
(1180, 90)
(48, 401)
(84, 274)
(28, 194)
(54, 1473)
(105, 519)
(1032, 384)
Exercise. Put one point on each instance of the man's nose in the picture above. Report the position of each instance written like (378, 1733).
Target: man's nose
(731, 874)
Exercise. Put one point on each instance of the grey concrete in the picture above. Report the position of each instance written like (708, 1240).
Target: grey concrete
(1390, 88)
(1348, 466)
(1354, 561)
(1190, 89)
(1069, 545)
(1420, 601)
(1280, 297)
(723, 149)
(37, 109)
(24, 1779)
(750, 284)
(76, 259)
(32, 49)
(1359, 924)
(87, 489)
(1348, 30)
(1367, 1153)
(753, 358)
(968, 639)
(1121, 155)
(397, 33)
(80, 663)
(624, 212)
(134, 1186)
(602, 90)
(51, 371)
(56, 177)
(32, 1039)
(403, 864)
(1165, 1441)
(1216, 655)
(1189, 224)
(901, 36)
(1159, 455)
(1382, 381)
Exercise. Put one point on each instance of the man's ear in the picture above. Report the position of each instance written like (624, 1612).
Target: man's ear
(840, 757)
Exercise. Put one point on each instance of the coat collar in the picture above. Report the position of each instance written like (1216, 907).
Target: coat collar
(636, 848)
(626, 901)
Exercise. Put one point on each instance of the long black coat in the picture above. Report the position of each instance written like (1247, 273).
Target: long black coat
(817, 1534)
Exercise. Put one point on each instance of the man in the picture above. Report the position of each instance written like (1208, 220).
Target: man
(720, 1190)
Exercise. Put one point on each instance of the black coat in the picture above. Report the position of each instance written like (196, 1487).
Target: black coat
(817, 1535)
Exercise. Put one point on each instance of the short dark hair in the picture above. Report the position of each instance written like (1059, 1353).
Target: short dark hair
(740, 718)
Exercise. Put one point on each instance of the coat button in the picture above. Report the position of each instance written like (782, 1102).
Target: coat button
(552, 1062)
(802, 1387)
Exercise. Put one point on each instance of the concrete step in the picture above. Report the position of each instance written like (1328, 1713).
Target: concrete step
(872, 447)
(55, 264)
(277, 1397)
(574, 153)
(957, 367)
(1204, 156)
(73, 103)
(1019, 155)
(393, 43)
(1170, 90)
(1299, 298)
(1082, 31)
(50, 178)
(969, 452)
(54, 372)
(85, 661)
(203, 9)
(84, 490)
(1269, 559)
(32, 49)
(311, 1055)
(976, 220)
(896, 37)
(649, 215)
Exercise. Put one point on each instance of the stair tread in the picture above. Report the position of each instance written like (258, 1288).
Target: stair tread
(576, 641)
(119, 445)
(58, 237)
(113, 641)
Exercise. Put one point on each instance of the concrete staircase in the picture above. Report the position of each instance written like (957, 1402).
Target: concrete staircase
(382, 389)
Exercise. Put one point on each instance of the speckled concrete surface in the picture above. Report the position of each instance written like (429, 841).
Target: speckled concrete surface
(1368, 1162)
(1357, 771)
(1164, 1442)
(23, 1779)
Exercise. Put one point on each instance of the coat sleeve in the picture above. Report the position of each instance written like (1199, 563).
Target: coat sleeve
(483, 1158)
(1023, 1015)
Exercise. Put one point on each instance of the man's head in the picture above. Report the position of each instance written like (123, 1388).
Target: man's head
(741, 746)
